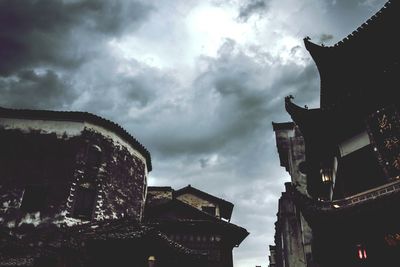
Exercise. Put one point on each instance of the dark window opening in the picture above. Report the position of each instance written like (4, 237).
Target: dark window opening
(357, 172)
(209, 210)
(84, 203)
(91, 174)
(94, 156)
(93, 162)
(34, 198)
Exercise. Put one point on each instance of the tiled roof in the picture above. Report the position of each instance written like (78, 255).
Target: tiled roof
(282, 126)
(159, 188)
(123, 229)
(51, 240)
(376, 24)
(200, 219)
(12, 261)
(375, 19)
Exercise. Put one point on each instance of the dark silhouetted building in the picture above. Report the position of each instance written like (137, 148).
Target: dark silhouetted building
(292, 233)
(197, 220)
(351, 149)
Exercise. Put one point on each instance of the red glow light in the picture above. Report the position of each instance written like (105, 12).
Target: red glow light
(361, 252)
(360, 255)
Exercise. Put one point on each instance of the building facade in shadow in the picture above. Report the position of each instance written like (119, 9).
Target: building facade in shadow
(352, 149)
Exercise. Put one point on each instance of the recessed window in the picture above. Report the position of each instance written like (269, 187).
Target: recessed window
(94, 156)
(93, 162)
(84, 203)
(34, 198)
(209, 210)
(91, 174)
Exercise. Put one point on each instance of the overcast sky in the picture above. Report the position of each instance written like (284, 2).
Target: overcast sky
(197, 82)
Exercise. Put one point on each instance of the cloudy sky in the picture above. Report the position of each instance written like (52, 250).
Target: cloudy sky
(197, 82)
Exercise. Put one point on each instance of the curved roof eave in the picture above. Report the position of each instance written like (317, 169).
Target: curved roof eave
(361, 30)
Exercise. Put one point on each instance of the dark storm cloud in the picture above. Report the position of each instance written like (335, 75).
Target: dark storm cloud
(28, 89)
(51, 32)
(63, 38)
(114, 94)
(325, 38)
(252, 7)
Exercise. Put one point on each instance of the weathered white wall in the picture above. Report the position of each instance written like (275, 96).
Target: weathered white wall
(61, 128)
(198, 202)
(67, 130)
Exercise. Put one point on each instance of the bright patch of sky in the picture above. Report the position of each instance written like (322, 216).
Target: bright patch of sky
(181, 40)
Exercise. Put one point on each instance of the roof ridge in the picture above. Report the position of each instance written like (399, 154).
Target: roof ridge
(201, 191)
(363, 27)
(186, 205)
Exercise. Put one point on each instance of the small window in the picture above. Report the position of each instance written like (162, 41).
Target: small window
(34, 198)
(93, 162)
(91, 174)
(209, 210)
(84, 203)
(94, 156)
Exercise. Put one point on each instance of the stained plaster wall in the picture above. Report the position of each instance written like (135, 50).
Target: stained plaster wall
(198, 202)
(291, 147)
(291, 235)
(53, 153)
(155, 197)
(296, 156)
(296, 234)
